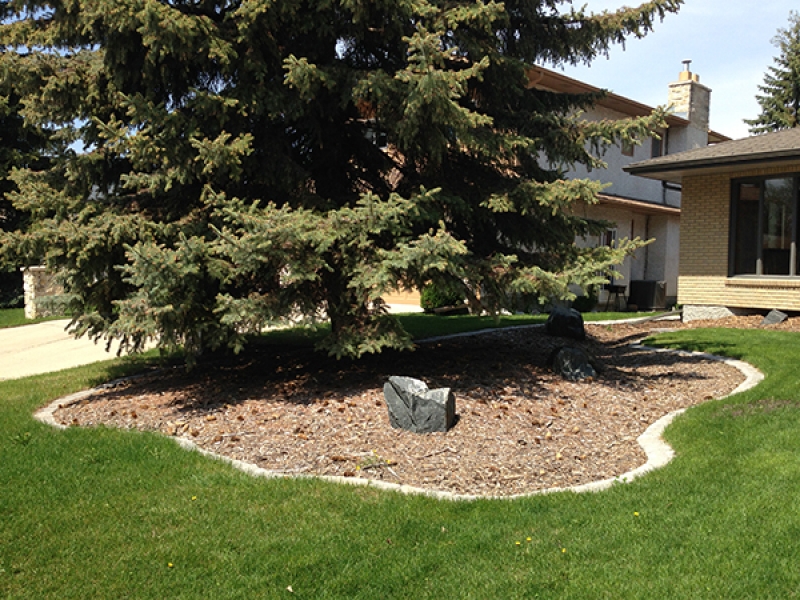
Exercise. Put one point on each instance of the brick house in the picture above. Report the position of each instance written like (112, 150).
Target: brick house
(740, 224)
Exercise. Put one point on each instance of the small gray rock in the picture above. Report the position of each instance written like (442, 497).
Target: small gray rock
(573, 364)
(565, 322)
(413, 407)
(774, 317)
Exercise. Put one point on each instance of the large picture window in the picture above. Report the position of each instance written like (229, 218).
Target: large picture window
(764, 219)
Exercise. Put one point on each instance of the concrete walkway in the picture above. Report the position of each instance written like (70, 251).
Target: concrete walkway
(46, 347)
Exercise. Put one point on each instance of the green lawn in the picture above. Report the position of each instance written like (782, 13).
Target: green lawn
(14, 317)
(421, 325)
(102, 513)
(417, 324)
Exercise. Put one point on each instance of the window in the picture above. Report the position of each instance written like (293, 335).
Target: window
(608, 238)
(656, 147)
(764, 222)
(627, 148)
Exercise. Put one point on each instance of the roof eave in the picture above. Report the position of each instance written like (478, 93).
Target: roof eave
(638, 206)
(542, 78)
(675, 171)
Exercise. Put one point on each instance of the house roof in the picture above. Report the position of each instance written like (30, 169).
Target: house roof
(774, 149)
(546, 79)
(638, 206)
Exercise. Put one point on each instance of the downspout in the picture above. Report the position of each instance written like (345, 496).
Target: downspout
(666, 151)
(646, 248)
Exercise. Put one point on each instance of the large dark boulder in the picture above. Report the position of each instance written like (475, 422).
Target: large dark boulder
(565, 322)
(412, 406)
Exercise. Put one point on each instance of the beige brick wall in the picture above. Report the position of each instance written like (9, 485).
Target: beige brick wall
(402, 297)
(703, 278)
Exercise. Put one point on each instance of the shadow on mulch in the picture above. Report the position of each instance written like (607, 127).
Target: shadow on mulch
(516, 360)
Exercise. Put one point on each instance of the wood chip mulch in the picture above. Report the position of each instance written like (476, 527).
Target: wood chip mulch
(520, 427)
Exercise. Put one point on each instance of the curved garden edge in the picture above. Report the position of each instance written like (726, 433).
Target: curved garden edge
(658, 452)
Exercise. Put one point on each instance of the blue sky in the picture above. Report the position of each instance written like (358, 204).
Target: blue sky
(728, 42)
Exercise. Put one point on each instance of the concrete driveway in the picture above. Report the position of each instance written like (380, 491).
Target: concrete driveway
(46, 347)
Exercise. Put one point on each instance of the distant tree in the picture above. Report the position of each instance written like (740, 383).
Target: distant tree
(252, 162)
(780, 101)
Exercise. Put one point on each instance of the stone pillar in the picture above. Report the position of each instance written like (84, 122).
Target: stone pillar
(38, 283)
(689, 100)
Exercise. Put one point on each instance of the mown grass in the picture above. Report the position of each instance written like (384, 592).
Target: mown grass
(14, 317)
(100, 513)
(421, 326)
(417, 324)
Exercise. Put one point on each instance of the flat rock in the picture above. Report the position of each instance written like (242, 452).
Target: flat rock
(774, 317)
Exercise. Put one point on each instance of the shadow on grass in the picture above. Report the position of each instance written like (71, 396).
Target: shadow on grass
(698, 343)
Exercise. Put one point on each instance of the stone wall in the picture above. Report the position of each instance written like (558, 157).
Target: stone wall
(38, 284)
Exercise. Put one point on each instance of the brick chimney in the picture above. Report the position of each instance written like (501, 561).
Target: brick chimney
(691, 100)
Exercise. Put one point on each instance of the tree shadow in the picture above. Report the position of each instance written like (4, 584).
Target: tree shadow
(515, 362)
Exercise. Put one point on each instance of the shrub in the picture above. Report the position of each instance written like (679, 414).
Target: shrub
(586, 303)
(436, 295)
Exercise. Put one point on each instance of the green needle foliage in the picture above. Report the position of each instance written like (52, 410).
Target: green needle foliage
(780, 102)
(21, 145)
(253, 162)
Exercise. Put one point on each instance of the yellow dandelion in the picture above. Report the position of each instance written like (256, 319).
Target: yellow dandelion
(194, 498)
(635, 514)
(527, 539)
(169, 565)
(518, 543)
(563, 550)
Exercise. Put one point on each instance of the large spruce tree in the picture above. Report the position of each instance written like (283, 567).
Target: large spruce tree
(780, 98)
(251, 162)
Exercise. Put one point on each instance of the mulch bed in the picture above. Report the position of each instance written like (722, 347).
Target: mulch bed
(520, 427)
